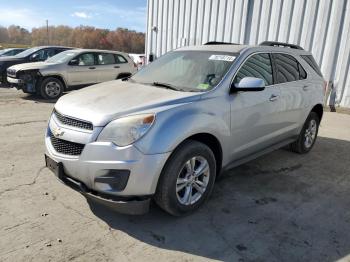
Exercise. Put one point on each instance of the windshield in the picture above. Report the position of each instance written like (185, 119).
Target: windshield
(3, 51)
(186, 70)
(27, 52)
(61, 57)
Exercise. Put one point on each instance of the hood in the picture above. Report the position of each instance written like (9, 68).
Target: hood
(101, 103)
(10, 59)
(30, 66)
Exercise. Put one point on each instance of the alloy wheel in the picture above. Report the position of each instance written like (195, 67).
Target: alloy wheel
(192, 180)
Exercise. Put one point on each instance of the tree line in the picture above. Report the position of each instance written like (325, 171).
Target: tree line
(120, 39)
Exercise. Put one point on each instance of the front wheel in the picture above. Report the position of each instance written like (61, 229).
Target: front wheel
(307, 136)
(187, 179)
(51, 88)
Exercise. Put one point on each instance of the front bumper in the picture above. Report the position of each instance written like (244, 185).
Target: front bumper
(15, 81)
(99, 159)
(20, 84)
(124, 206)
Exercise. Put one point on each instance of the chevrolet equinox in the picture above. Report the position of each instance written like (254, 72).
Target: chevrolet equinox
(169, 130)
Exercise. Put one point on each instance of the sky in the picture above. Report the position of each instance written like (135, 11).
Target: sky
(109, 14)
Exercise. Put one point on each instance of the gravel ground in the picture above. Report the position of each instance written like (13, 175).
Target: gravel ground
(280, 207)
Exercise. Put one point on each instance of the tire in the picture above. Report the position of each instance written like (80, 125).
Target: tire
(174, 183)
(307, 136)
(51, 88)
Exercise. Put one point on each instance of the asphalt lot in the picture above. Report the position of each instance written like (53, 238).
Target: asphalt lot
(280, 207)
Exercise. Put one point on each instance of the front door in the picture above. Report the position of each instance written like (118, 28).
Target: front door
(255, 115)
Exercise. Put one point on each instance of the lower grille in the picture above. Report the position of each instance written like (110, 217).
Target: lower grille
(66, 147)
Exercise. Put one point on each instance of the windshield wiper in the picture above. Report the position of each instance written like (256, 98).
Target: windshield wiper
(166, 85)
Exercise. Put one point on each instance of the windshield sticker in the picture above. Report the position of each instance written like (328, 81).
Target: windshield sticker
(203, 86)
(227, 58)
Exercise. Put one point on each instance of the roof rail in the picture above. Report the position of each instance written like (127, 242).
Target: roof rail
(280, 44)
(219, 43)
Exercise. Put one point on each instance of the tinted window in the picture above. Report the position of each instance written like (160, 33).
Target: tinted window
(120, 59)
(287, 68)
(105, 59)
(311, 61)
(43, 54)
(302, 72)
(258, 66)
(87, 59)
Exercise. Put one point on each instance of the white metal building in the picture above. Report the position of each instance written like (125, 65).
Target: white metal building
(320, 26)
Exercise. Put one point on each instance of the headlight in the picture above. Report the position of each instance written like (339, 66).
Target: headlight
(126, 130)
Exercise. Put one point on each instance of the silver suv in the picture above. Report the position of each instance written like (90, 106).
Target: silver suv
(167, 132)
(78, 67)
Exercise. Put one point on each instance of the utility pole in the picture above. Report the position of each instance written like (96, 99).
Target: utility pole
(47, 31)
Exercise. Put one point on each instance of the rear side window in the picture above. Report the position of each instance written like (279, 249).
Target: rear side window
(105, 59)
(302, 72)
(288, 69)
(258, 66)
(120, 59)
(311, 61)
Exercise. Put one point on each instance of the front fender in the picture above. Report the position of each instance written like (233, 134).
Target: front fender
(175, 125)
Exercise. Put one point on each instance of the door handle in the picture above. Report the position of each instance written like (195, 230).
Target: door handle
(92, 67)
(305, 88)
(273, 98)
(117, 67)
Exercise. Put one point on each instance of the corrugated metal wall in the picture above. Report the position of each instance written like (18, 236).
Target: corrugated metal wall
(320, 26)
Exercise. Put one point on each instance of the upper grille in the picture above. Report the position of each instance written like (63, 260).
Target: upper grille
(66, 147)
(73, 122)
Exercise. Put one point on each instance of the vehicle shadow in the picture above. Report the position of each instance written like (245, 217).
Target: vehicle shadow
(38, 99)
(282, 206)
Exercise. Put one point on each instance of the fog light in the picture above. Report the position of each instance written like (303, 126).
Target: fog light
(115, 179)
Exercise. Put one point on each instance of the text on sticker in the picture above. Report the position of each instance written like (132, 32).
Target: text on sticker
(222, 58)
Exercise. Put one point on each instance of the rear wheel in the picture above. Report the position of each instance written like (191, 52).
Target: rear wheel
(51, 88)
(187, 179)
(307, 136)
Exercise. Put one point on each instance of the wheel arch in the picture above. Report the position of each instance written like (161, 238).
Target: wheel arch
(318, 109)
(212, 142)
(59, 77)
(122, 75)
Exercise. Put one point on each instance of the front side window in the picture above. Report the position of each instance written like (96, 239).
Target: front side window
(258, 66)
(105, 59)
(87, 59)
(187, 70)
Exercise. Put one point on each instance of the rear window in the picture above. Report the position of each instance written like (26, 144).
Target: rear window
(311, 61)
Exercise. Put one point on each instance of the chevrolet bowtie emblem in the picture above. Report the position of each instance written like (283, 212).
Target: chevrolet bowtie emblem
(57, 132)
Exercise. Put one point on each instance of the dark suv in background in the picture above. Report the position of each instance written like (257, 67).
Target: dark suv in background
(35, 54)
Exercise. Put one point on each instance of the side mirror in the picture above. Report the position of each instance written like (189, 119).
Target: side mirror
(74, 62)
(249, 84)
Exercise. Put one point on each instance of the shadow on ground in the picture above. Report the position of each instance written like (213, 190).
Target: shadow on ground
(280, 207)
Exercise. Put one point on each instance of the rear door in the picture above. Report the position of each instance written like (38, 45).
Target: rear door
(255, 116)
(107, 67)
(81, 70)
(291, 78)
(125, 65)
